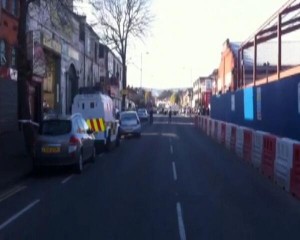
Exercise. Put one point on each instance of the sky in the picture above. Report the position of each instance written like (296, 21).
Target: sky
(186, 38)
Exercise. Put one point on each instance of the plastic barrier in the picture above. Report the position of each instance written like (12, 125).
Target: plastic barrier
(222, 135)
(268, 155)
(216, 128)
(228, 135)
(212, 127)
(239, 141)
(205, 124)
(233, 137)
(295, 173)
(208, 127)
(283, 162)
(247, 148)
(257, 146)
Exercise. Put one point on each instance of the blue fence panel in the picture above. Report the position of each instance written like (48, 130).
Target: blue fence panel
(274, 110)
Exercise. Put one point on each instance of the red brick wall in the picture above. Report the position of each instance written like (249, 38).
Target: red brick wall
(226, 66)
(9, 25)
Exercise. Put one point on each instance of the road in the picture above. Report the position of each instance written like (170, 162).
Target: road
(172, 183)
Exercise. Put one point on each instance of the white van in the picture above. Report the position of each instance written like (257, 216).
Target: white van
(98, 111)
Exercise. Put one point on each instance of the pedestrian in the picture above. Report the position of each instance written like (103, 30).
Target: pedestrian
(170, 116)
(151, 115)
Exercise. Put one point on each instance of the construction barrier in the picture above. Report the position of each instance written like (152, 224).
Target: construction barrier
(239, 143)
(228, 135)
(277, 158)
(233, 137)
(268, 155)
(215, 130)
(222, 136)
(295, 173)
(257, 147)
(283, 162)
(247, 145)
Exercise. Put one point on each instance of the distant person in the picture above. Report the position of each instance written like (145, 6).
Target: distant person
(151, 115)
(170, 116)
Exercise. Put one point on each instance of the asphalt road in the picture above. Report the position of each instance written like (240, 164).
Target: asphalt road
(172, 183)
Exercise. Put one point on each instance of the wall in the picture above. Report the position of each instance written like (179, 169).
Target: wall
(279, 107)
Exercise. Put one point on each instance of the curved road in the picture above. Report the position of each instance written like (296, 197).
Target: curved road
(172, 183)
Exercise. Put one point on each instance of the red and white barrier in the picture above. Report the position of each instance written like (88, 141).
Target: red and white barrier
(257, 147)
(295, 173)
(247, 145)
(284, 162)
(239, 141)
(268, 155)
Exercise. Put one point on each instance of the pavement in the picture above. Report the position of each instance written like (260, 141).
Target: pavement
(15, 163)
(172, 183)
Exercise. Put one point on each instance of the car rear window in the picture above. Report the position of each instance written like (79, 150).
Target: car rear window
(55, 127)
(128, 116)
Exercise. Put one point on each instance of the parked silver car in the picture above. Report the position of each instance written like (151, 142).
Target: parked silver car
(130, 124)
(143, 114)
(64, 140)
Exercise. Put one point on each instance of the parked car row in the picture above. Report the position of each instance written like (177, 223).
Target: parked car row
(69, 141)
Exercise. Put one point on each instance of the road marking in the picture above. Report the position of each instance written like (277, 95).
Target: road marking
(174, 171)
(180, 222)
(14, 217)
(171, 149)
(11, 192)
(66, 179)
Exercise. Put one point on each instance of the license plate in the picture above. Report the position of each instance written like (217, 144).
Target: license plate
(50, 149)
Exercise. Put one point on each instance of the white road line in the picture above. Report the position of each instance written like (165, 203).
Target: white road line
(180, 222)
(14, 217)
(171, 149)
(174, 171)
(66, 179)
(11, 192)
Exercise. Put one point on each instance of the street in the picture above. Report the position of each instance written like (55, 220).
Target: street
(172, 183)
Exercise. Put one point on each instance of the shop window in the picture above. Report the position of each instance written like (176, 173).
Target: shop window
(2, 53)
(13, 57)
(15, 7)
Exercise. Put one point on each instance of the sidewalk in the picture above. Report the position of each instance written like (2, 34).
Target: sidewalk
(14, 161)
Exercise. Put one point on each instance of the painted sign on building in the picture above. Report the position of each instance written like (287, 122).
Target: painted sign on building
(51, 43)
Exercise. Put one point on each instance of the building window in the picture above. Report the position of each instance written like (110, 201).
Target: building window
(13, 57)
(15, 7)
(4, 4)
(2, 53)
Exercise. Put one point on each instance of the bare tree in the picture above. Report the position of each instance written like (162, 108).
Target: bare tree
(119, 22)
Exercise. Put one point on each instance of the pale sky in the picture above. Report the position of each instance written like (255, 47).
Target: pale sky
(187, 36)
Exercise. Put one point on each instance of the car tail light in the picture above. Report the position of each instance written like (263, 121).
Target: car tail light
(73, 143)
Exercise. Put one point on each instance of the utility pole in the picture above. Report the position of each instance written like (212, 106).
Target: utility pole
(24, 74)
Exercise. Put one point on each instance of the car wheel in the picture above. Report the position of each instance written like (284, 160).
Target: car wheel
(79, 165)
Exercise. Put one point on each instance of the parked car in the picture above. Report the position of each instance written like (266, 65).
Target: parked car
(143, 114)
(130, 124)
(64, 140)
